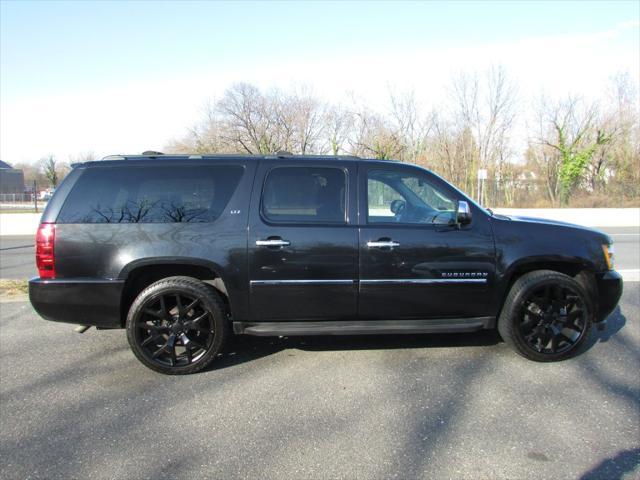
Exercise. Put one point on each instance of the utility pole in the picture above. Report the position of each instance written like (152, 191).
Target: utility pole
(482, 176)
(35, 196)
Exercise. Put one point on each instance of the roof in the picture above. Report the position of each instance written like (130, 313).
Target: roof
(5, 165)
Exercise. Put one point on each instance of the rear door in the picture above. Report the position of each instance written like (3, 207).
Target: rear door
(303, 241)
(414, 263)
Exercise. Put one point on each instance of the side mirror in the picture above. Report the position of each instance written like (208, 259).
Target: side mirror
(463, 213)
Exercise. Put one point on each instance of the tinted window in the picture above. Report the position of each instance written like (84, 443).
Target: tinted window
(305, 194)
(407, 197)
(150, 195)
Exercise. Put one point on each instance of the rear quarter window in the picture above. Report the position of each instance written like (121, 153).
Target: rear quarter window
(157, 194)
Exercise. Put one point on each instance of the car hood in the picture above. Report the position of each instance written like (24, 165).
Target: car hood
(556, 223)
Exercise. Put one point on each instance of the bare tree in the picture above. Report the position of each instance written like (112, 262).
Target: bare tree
(308, 122)
(374, 136)
(49, 168)
(451, 152)
(205, 137)
(485, 107)
(32, 172)
(572, 132)
(249, 119)
(620, 156)
(411, 127)
(571, 143)
(338, 126)
(299, 120)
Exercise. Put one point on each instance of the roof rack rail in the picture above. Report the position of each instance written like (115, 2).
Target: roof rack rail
(149, 154)
(146, 153)
(273, 156)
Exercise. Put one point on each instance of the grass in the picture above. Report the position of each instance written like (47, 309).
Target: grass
(13, 288)
(20, 210)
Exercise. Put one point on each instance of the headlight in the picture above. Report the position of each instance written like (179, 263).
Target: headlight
(608, 255)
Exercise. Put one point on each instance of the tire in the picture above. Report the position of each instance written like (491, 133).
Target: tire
(177, 325)
(546, 316)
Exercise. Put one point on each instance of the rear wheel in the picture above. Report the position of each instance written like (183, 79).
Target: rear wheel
(177, 325)
(546, 316)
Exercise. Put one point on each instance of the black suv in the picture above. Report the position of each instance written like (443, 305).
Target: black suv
(183, 250)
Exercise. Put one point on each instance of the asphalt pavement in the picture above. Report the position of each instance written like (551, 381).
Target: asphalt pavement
(419, 406)
(423, 406)
(17, 257)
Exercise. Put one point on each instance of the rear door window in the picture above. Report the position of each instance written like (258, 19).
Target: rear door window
(305, 195)
(159, 194)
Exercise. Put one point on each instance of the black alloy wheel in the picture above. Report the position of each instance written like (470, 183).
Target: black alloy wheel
(546, 316)
(174, 329)
(553, 319)
(177, 325)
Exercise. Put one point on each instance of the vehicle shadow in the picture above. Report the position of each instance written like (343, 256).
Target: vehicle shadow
(615, 322)
(246, 348)
(615, 468)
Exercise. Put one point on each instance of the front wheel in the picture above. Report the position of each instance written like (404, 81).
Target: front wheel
(177, 325)
(546, 316)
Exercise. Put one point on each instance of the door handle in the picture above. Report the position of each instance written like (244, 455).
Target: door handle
(273, 242)
(383, 244)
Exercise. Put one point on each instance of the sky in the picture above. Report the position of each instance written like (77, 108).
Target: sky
(124, 77)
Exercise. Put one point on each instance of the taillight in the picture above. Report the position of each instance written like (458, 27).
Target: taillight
(45, 260)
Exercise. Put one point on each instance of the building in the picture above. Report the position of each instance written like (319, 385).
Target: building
(11, 179)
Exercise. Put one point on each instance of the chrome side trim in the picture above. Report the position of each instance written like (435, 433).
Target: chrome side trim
(76, 281)
(302, 282)
(394, 281)
(383, 281)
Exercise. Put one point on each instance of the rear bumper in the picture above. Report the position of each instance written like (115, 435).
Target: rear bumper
(80, 301)
(609, 292)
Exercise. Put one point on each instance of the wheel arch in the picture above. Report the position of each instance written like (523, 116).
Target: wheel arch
(140, 274)
(578, 269)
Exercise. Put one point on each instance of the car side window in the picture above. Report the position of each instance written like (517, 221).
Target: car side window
(305, 195)
(403, 197)
(162, 194)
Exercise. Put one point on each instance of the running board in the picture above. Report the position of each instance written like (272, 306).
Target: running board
(371, 327)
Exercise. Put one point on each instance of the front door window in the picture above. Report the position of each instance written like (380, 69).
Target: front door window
(403, 197)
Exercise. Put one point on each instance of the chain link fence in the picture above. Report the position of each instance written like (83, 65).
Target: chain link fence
(21, 202)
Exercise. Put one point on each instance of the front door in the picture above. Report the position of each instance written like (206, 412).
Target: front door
(303, 241)
(415, 262)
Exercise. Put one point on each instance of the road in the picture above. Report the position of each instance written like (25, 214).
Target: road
(439, 406)
(424, 406)
(17, 257)
(17, 253)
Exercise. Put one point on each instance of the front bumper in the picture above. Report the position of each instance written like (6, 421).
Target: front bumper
(78, 300)
(609, 286)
